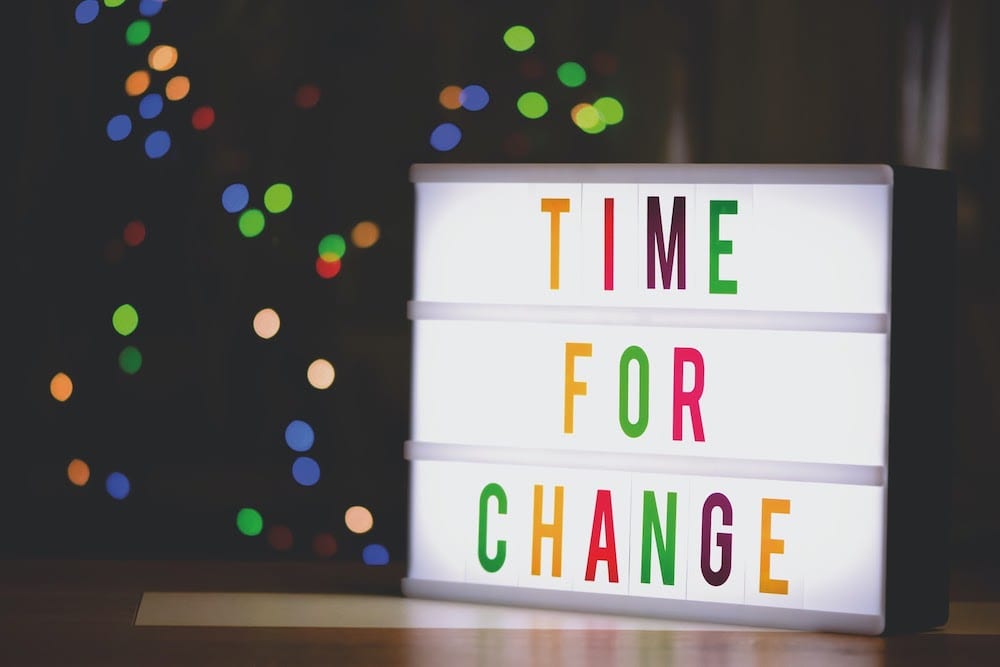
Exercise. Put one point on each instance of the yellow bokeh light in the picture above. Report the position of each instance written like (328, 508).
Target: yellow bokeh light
(358, 519)
(320, 374)
(78, 472)
(365, 234)
(162, 57)
(266, 323)
(450, 97)
(61, 387)
(177, 88)
(137, 83)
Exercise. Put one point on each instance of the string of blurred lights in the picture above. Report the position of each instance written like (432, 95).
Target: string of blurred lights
(320, 374)
(590, 117)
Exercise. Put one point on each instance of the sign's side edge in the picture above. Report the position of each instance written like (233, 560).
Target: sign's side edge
(921, 402)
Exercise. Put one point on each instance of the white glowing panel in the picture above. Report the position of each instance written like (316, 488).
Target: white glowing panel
(678, 390)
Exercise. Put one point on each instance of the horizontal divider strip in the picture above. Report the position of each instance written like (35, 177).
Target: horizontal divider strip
(702, 318)
(706, 466)
(656, 174)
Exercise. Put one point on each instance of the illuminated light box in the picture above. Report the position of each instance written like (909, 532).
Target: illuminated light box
(706, 392)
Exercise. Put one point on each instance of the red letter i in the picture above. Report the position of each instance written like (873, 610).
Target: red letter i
(609, 243)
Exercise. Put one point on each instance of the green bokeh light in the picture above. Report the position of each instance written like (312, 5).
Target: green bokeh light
(589, 119)
(137, 32)
(332, 247)
(251, 222)
(278, 198)
(532, 105)
(114, 3)
(519, 38)
(249, 521)
(611, 110)
(125, 319)
(571, 74)
(130, 360)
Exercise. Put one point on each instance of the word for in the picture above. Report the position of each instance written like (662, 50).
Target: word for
(635, 357)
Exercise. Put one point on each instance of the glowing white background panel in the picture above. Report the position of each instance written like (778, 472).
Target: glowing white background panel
(801, 247)
(833, 553)
(772, 395)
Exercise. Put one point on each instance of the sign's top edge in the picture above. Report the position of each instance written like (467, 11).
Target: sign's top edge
(790, 174)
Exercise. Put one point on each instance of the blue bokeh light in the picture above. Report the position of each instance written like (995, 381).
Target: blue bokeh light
(305, 471)
(119, 127)
(375, 554)
(150, 106)
(299, 435)
(445, 136)
(157, 144)
(150, 7)
(235, 198)
(117, 485)
(86, 11)
(474, 97)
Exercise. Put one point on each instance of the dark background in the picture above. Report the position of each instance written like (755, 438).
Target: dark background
(199, 429)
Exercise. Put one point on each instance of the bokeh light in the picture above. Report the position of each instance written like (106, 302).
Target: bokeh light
(117, 486)
(445, 137)
(532, 105)
(137, 32)
(450, 97)
(324, 545)
(611, 110)
(235, 197)
(320, 374)
(134, 233)
(307, 96)
(114, 3)
(150, 7)
(358, 519)
(119, 127)
(327, 269)
(278, 197)
(61, 387)
(375, 554)
(299, 435)
(571, 74)
(157, 144)
(532, 67)
(474, 97)
(137, 83)
(177, 88)
(332, 247)
(279, 537)
(162, 57)
(519, 38)
(86, 11)
(266, 323)
(305, 471)
(78, 472)
(125, 319)
(516, 145)
(365, 234)
(150, 106)
(251, 222)
(114, 250)
(130, 359)
(587, 118)
(605, 63)
(249, 521)
(203, 118)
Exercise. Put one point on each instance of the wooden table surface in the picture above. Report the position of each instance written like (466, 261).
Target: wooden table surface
(64, 612)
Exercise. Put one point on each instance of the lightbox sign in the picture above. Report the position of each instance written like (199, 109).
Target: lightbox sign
(706, 392)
